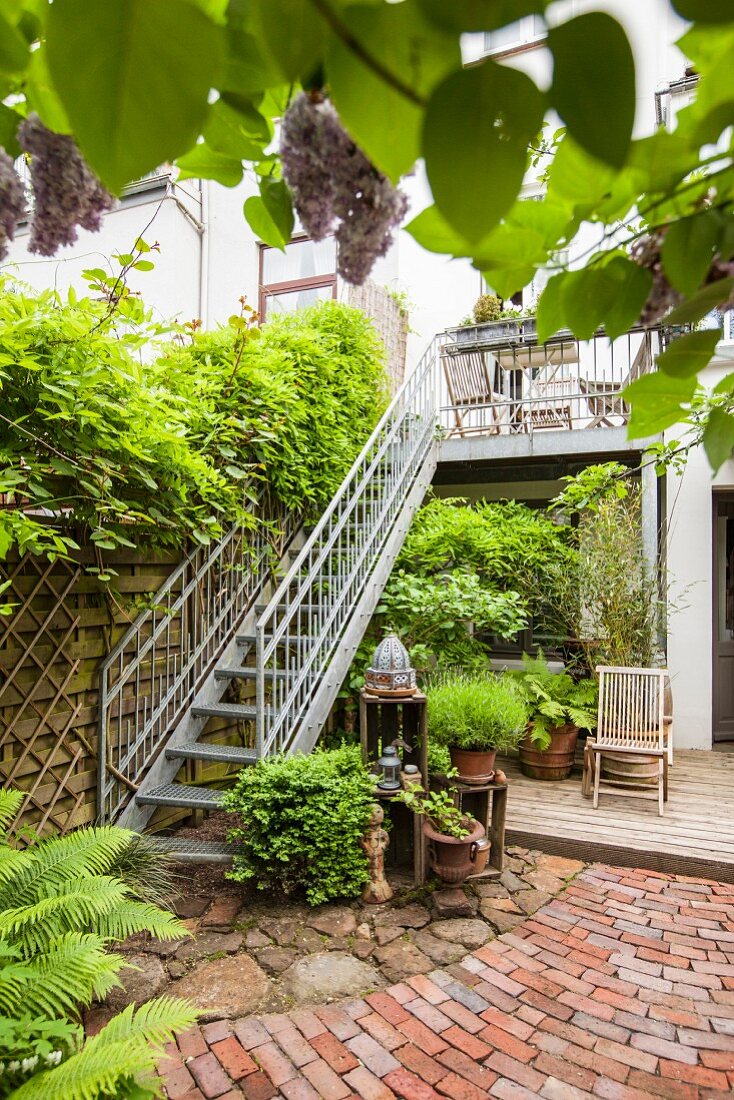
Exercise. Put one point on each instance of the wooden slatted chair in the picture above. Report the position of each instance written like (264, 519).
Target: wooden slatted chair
(477, 408)
(631, 723)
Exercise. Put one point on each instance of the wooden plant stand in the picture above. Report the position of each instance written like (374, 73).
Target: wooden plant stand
(488, 804)
(382, 719)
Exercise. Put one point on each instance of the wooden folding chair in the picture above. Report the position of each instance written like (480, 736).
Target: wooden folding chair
(631, 723)
(477, 408)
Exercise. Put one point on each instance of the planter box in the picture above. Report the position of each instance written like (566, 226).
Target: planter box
(494, 331)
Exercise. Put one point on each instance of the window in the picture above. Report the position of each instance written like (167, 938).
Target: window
(524, 31)
(302, 275)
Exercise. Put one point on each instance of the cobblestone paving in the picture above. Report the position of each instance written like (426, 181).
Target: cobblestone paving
(621, 987)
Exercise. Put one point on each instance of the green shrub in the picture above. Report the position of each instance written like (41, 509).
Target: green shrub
(61, 907)
(487, 308)
(511, 548)
(476, 712)
(431, 615)
(125, 454)
(301, 821)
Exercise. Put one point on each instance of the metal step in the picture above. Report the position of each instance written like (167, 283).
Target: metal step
(180, 794)
(188, 850)
(260, 607)
(249, 639)
(242, 674)
(224, 710)
(220, 754)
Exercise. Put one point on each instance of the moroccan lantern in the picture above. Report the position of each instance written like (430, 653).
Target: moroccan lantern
(391, 672)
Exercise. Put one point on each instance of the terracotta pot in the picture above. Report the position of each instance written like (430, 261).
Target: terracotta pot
(473, 767)
(556, 761)
(452, 859)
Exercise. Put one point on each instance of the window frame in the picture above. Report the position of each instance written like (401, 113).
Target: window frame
(288, 286)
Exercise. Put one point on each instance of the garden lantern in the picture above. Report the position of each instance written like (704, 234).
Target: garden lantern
(391, 672)
(389, 765)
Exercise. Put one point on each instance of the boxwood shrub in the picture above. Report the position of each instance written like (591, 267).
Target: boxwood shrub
(300, 822)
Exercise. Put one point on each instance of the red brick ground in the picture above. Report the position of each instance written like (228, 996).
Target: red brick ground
(621, 988)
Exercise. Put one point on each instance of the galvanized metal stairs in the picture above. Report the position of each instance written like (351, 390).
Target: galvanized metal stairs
(295, 641)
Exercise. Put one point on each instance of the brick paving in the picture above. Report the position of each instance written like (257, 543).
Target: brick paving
(622, 987)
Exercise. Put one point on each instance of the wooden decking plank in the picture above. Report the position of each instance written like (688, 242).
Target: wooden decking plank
(696, 832)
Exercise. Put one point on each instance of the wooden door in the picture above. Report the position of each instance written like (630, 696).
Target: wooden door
(723, 615)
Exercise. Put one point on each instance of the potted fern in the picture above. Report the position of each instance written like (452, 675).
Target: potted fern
(475, 716)
(458, 846)
(559, 707)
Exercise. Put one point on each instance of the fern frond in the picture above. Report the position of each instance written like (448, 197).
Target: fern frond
(70, 972)
(10, 804)
(132, 916)
(131, 1044)
(76, 906)
(154, 1022)
(81, 854)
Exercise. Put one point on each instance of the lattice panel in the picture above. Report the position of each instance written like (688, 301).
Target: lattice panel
(41, 751)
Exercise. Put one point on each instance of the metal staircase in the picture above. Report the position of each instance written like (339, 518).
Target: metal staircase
(219, 621)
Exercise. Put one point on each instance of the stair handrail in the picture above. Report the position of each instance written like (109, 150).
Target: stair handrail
(395, 450)
(151, 675)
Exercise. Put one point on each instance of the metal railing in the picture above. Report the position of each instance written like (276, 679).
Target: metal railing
(152, 674)
(509, 383)
(300, 631)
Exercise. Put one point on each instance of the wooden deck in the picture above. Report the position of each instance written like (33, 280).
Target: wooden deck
(694, 837)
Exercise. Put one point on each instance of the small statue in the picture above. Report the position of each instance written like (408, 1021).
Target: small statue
(374, 842)
(499, 776)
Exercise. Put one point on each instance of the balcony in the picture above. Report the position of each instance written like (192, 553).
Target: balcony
(500, 381)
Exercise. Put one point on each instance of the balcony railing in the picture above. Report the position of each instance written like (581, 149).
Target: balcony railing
(497, 378)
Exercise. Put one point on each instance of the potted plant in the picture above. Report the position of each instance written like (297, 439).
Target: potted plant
(475, 715)
(458, 846)
(559, 707)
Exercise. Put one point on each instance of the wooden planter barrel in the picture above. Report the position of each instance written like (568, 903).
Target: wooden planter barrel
(556, 761)
(637, 771)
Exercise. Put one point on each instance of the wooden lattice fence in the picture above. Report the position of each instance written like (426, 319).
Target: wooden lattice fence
(62, 625)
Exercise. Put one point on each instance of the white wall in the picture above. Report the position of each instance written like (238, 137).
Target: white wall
(690, 575)
(171, 289)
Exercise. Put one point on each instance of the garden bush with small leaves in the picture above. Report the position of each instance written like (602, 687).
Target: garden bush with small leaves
(301, 820)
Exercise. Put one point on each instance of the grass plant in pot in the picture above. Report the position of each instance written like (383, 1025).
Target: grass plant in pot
(475, 715)
(559, 706)
(457, 842)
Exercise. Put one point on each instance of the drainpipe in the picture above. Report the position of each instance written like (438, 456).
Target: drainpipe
(204, 255)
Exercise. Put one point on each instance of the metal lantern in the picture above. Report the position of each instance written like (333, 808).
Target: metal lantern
(389, 765)
(391, 672)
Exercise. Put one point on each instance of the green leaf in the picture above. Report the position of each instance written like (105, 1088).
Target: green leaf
(593, 63)
(14, 52)
(416, 52)
(431, 230)
(611, 293)
(507, 257)
(247, 70)
(143, 265)
(480, 15)
(42, 96)
(688, 249)
(117, 66)
(9, 122)
(475, 136)
(270, 215)
(291, 34)
(577, 179)
(701, 303)
(685, 356)
(234, 134)
(205, 163)
(549, 315)
(704, 11)
(657, 402)
(718, 437)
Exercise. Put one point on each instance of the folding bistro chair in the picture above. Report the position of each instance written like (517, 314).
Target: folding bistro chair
(478, 409)
(631, 723)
